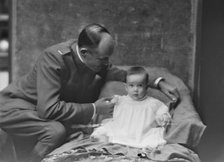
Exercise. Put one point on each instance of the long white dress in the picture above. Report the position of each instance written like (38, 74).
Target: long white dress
(134, 123)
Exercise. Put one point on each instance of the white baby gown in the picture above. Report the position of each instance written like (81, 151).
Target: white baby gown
(134, 123)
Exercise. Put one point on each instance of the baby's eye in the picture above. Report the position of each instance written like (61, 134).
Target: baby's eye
(140, 85)
(131, 85)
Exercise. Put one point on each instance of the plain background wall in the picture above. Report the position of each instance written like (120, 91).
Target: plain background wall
(211, 99)
(148, 32)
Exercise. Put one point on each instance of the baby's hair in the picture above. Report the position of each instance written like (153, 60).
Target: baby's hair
(138, 70)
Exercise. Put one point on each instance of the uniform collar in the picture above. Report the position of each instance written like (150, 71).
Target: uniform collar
(77, 51)
(77, 57)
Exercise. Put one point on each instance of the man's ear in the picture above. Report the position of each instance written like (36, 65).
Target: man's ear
(83, 52)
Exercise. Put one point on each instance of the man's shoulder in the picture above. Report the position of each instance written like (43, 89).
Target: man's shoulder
(61, 48)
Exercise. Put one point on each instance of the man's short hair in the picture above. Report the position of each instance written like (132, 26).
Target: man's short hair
(138, 70)
(90, 35)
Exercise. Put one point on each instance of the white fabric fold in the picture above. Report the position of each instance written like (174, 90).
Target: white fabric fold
(134, 123)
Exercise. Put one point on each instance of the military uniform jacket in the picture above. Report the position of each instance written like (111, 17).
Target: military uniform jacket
(59, 87)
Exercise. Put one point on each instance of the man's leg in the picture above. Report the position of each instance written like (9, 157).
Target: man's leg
(7, 149)
(53, 136)
(30, 133)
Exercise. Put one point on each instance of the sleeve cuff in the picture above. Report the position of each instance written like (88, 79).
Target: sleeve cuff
(94, 111)
(156, 83)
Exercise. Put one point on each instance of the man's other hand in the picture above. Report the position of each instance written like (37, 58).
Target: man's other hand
(170, 91)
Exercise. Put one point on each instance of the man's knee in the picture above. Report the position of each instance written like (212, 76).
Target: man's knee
(53, 135)
(55, 131)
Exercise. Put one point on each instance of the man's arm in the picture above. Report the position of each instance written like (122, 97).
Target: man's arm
(49, 105)
(170, 91)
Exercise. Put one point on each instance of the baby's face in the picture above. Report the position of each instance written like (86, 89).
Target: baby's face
(136, 86)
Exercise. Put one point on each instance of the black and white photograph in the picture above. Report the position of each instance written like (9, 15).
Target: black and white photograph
(111, 81)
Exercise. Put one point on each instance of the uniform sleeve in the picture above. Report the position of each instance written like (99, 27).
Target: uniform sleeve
(49, 105)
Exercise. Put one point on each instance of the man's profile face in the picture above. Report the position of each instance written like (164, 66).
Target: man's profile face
(98, 58)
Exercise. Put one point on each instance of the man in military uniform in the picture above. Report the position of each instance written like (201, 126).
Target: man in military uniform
(61, 90)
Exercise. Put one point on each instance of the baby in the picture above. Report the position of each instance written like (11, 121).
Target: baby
(138, 119)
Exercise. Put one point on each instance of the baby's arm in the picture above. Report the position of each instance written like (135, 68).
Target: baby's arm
(115, 99)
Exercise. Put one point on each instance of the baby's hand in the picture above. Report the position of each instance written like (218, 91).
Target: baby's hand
(163, 120)
(114, 100)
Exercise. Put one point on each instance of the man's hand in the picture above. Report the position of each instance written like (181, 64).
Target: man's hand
(104, 106)
(170, 91)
